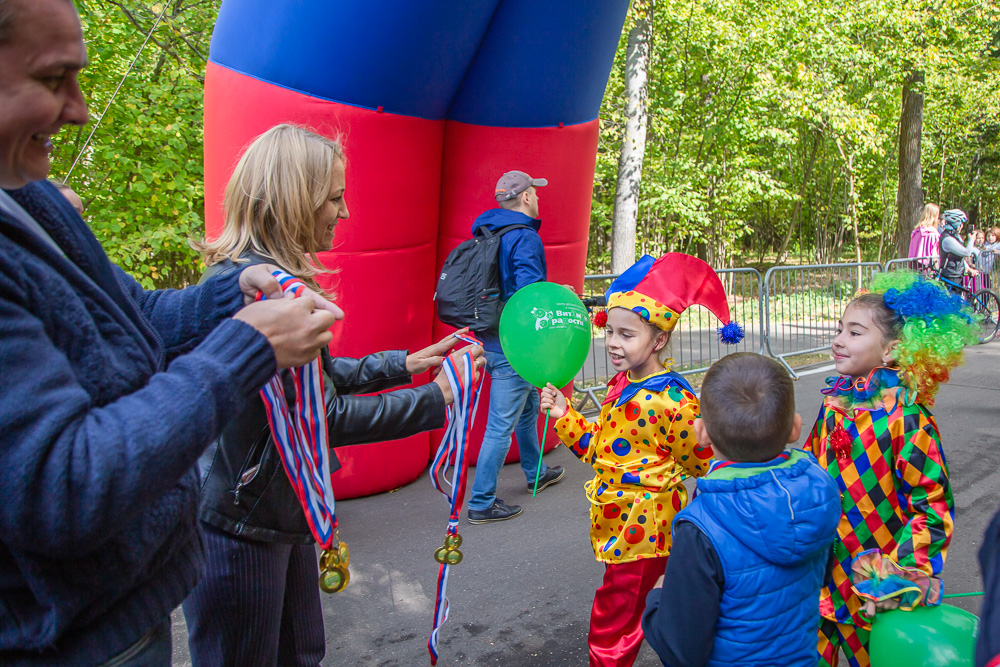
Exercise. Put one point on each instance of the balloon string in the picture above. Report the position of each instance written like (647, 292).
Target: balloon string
(963, 595)
(541, 453)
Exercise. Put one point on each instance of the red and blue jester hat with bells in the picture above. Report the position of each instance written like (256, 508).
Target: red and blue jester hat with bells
(659, 290)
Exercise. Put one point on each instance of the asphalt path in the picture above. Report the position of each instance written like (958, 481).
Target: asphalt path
(522, 594)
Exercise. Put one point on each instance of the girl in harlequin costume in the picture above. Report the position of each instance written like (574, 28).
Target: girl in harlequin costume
(643, 444)
(880, 443)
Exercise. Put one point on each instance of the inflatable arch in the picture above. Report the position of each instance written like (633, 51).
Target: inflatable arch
(434, 101)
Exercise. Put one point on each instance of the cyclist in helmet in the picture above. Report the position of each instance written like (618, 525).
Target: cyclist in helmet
(954, 254)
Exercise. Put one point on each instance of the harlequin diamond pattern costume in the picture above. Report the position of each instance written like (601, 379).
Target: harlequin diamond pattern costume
(886, 457)
(880, 443)
(641, 448)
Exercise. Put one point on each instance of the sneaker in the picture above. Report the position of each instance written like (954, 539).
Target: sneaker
(498, 511)
(548, 478)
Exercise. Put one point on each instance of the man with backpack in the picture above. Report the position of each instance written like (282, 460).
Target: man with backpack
(513, 402)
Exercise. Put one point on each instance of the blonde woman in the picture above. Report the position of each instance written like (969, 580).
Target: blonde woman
(258, 601)
(925, 237)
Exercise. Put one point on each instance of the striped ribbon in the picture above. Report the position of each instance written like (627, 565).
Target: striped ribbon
(301, 436)
(451, 455)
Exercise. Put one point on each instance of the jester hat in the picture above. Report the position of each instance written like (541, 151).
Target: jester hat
(659, 290)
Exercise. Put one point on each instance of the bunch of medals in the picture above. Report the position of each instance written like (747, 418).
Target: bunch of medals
(449, 553)
(451, 456)
(303, 444)
(334, 575)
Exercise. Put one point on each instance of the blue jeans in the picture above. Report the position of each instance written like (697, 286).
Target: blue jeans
(513, 408)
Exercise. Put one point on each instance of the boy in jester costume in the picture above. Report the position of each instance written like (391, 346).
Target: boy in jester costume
(643, 444)
(878, 440)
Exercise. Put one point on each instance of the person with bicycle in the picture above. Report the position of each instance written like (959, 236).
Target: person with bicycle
(954, 255)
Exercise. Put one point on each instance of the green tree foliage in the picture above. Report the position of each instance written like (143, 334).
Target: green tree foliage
(141, 175)
(773, 127)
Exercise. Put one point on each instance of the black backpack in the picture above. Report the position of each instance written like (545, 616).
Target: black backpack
(952, 266)
(468, 290)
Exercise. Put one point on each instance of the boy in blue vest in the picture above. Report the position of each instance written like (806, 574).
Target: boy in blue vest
(750, 550)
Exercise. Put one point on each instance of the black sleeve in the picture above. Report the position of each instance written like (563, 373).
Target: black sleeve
(369, 374)
(359, 420)
(679, 621)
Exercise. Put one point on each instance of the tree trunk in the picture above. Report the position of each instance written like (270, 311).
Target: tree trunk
(623, 221)
(910, 199)
(793, 221)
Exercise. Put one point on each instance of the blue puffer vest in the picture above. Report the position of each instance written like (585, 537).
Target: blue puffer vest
(771, 525)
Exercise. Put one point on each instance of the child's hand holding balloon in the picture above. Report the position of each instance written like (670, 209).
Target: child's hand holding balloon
(552, 402)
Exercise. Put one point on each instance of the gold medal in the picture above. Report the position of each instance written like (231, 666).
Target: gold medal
(334, 580)
(449, 553)
(334, 575)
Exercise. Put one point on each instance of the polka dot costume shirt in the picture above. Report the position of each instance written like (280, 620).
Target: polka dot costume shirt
(641, 447)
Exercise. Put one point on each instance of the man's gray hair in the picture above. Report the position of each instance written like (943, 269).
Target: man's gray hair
(7, 18)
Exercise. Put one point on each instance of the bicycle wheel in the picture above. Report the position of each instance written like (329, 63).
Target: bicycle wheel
(987, 304)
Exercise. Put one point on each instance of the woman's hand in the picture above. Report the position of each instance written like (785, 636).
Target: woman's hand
(258, 278)
(478, 361)
(433, 355)
(552, 401)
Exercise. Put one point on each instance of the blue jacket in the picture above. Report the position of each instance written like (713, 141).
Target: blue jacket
(109, 395)
(772, 526)
(522, 256)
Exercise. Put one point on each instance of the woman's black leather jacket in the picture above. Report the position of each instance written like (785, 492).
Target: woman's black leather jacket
(245, 490)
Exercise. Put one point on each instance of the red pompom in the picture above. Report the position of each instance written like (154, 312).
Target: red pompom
(600, 319)
(840, 442)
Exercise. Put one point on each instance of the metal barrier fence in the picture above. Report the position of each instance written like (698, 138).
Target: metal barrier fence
(926, 265)
(790, 311)
(988, 278)
(694, 344)
(803, 303)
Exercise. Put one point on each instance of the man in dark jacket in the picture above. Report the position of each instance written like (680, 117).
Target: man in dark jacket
(110, 393)
(513, 401)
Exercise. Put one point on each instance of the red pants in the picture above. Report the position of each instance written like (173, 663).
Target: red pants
(615, 629)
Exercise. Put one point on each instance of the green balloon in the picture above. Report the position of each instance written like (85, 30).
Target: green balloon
(545, 334)
(928, 636)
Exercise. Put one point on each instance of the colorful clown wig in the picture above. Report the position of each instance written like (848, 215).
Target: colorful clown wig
(659, 290)
(932, 327)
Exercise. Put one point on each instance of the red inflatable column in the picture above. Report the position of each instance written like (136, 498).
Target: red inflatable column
(474, 158)
(385, 253)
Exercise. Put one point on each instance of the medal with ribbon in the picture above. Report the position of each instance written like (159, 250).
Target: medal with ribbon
(451, 456)
(301, 437)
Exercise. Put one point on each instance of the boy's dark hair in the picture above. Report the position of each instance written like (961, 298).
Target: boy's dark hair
(748, 407)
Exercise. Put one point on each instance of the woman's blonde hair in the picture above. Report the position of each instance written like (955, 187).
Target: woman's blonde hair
(929, 217)
(279, 185)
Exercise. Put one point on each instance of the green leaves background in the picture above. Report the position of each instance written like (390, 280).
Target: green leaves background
(760, 115)
(141, 176)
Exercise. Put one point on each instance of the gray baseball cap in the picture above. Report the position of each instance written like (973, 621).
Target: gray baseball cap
(514, 183)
